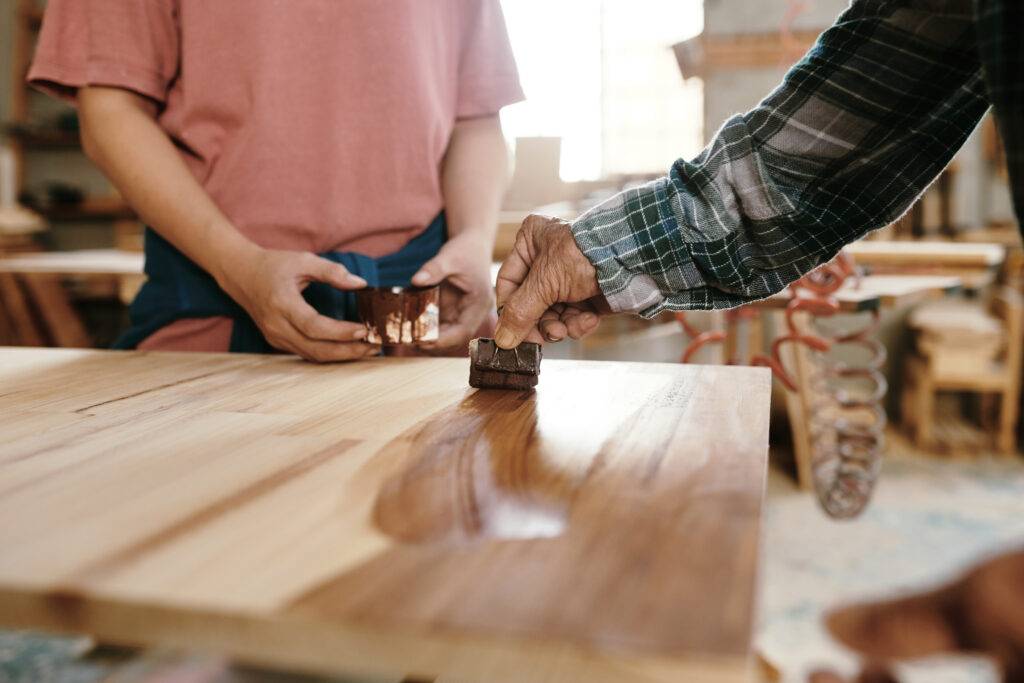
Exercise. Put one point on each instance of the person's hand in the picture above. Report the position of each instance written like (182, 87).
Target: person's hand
(268, 284)
(981, 613)
(547, 289)
(463, 269)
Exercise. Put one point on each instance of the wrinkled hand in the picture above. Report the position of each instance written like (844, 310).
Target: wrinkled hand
(547, 289)
(463, 269)
(269, 284)
(981, 613)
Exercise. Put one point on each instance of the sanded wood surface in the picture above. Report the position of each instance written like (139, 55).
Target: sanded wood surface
(384, 518)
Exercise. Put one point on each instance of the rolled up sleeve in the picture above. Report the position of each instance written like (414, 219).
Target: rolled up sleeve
(488, 77)
(130, 44)
(854, 134)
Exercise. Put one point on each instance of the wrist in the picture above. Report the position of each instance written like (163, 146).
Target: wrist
(478, 243)
(231, 253)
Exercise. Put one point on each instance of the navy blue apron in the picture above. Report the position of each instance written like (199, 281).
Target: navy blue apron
(176, 289)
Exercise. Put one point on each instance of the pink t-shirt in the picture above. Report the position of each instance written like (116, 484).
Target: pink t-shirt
(315, 125)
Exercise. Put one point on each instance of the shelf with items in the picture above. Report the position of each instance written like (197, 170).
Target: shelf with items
(43, 137)
(90, 208)
(27, 135)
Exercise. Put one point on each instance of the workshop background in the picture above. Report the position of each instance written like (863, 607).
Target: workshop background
(919, 369)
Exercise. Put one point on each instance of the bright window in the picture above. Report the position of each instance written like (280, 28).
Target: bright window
(601, 75)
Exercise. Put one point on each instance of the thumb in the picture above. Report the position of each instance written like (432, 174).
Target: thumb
(521, 312)
(335, 274)
(433, 271)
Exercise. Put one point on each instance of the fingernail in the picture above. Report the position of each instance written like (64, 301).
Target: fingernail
(359, 334)
(357, 281)
(504, 338)
(421, 278)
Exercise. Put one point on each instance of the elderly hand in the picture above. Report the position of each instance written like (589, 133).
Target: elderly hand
(547, 289)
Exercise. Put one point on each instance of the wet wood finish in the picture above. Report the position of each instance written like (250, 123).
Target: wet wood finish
(383, 517)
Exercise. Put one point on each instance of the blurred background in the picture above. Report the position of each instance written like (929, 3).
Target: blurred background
(895, 446)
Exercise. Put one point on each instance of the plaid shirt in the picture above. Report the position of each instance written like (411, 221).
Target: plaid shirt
(853, 135)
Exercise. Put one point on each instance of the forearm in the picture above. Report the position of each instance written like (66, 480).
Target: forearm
(845, 145)
(474, 178)
(120, 134)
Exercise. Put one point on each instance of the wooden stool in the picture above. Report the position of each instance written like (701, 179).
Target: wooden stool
(952, 369)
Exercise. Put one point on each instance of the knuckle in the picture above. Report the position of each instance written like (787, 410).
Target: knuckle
(514, 316)
(532, 221)
(273, 330)
(278, 302)
(306, 321)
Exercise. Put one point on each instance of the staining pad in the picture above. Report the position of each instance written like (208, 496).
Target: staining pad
(491, 367)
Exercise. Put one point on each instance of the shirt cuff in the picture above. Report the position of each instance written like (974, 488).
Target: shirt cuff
(635, 245)
(488, 97)
(63, 81)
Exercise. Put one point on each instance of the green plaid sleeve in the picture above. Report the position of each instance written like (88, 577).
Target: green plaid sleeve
(844, 145)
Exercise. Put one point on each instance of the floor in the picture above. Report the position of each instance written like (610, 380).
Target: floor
(930, 518)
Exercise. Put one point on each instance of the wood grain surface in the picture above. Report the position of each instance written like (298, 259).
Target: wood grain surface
(384, 518)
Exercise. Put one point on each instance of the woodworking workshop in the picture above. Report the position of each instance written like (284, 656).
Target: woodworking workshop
(511, 341)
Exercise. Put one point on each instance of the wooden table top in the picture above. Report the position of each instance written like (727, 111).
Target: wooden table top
(384, 518)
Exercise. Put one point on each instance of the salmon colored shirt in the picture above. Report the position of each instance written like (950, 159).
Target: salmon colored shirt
(316, 125)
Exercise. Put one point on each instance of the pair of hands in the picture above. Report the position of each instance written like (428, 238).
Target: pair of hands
(269, 286)
(546, 291)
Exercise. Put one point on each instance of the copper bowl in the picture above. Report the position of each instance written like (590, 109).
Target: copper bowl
(397, 316)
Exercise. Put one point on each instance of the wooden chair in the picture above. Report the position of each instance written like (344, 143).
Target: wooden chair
(35, 311)
(1001, 378)
(34, 307)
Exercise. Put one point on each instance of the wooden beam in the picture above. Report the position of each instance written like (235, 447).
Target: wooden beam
(704, 54)
(15, 304)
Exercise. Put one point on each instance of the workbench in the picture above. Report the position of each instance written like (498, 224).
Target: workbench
(122, 268)
(878, 291)
(383, 518)
(976, 264)
(35, 289)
